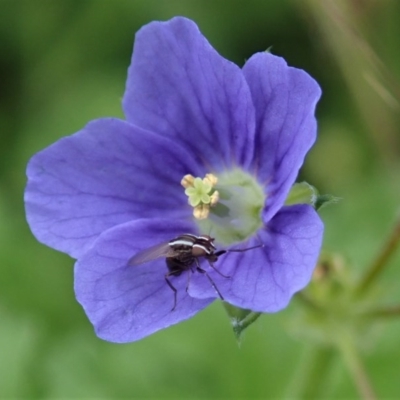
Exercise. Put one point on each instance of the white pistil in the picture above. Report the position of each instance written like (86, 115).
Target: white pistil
(201, 194)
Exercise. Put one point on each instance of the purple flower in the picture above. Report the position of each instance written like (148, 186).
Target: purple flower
(114, 189)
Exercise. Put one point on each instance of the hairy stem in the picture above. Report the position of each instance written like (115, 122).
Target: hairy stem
(356, 368)
(383, 312)
(381, 260)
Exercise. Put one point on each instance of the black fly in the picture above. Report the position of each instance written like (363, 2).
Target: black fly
(181, 254)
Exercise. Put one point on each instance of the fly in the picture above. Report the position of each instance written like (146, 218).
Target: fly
(183, 254)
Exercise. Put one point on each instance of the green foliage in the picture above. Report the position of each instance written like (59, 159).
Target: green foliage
(64, 63)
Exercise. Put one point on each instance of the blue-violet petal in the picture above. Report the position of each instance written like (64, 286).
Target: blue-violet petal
(124, 302)
(180, 87)
(108, 173)
(284, 99)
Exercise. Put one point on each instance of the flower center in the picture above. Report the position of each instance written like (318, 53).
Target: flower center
(228, 207)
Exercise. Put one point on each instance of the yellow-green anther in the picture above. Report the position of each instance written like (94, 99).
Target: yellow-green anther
(214, 198)
(211, 179)
(187, 181)
(201, 211)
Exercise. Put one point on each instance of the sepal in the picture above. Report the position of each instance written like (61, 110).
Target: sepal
(240, 319)
(304, 193)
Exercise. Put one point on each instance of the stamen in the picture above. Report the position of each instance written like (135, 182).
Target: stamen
(212, 179)
(214, 198)
(187, 181)
(202, 211)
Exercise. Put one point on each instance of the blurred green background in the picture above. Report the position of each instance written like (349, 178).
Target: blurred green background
(63, 63)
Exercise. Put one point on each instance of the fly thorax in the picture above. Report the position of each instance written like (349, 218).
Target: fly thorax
(199, 251)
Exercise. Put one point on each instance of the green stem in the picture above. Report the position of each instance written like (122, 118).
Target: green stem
(380, 261)
(383, 312)
(310, 379)
(355, 367)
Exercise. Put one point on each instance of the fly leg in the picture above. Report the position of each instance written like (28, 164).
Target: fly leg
(202, 271)
(215, 258)
(173, 288)
(188, 280)
(216, 269)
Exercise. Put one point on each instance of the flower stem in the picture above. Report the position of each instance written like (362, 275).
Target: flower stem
(311, 376)
(355, 367)
(384, 312)
(381, 260)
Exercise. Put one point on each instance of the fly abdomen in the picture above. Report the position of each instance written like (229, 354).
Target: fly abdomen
(177, 265)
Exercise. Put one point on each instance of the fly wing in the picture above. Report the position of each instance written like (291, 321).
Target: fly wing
(152, 253)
